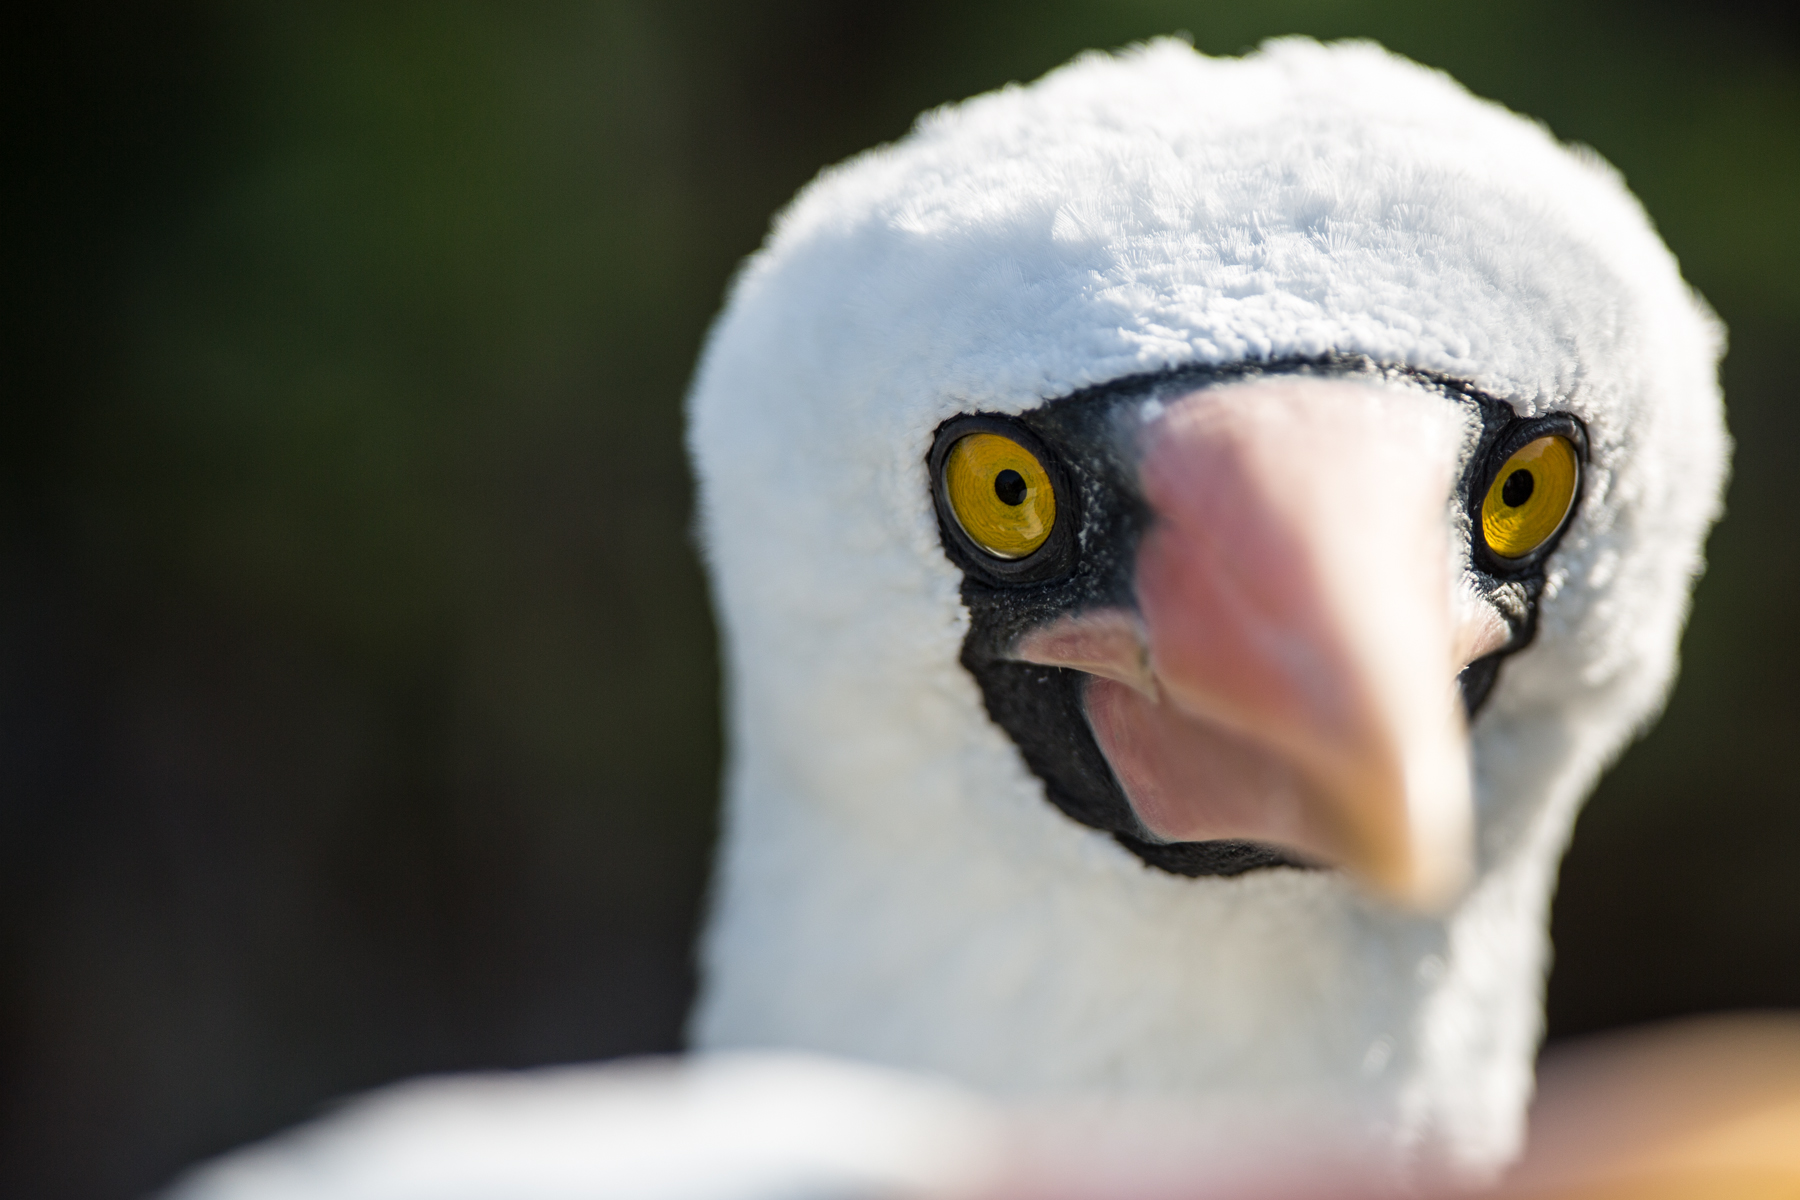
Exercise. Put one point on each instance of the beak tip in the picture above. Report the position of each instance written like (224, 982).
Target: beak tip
(1435, 890)
(1430, 875)
(1421, 857)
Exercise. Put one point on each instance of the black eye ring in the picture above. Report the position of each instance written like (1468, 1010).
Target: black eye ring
(1512, 439)
(1050, 560)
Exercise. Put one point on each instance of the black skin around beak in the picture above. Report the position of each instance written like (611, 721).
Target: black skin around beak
(1087, 447)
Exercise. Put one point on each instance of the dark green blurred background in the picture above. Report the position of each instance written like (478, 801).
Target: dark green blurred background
(356, 677)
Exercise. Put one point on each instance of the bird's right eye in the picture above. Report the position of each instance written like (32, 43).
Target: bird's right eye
(1000, 494)
(1530, 497)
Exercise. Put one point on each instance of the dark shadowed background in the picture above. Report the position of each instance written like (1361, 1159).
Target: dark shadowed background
(357, 684)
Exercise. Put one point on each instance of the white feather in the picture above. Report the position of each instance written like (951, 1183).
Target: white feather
(894, 886)
(750, 1127)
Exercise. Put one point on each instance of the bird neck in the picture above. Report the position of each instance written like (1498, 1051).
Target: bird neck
(912, 899)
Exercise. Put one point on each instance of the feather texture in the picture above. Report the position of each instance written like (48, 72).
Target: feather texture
(893, 885)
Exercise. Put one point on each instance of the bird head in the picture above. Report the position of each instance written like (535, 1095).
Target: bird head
(1187, 534)
(1175, 613)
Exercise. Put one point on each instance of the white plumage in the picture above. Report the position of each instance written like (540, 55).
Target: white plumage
(894, 886)
(757, 1127)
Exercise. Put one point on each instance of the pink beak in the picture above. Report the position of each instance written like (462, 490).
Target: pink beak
(1289, 676)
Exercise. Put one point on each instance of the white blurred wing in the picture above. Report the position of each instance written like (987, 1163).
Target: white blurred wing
(728, 1127)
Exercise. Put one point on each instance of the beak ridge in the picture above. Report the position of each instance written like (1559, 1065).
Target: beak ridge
(1290, 674)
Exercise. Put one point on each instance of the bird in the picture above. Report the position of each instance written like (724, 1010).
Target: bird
(1368, 438)
(1186, 534)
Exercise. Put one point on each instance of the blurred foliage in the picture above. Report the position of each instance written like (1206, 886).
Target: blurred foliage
(356, 678)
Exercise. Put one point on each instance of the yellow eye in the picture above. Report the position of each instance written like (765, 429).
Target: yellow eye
(1000, 493)
(1530, 496)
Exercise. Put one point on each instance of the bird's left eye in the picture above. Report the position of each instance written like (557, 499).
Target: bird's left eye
(1000, 494)
(1530, 497)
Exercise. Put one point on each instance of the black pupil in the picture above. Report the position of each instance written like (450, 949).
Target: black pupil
(1009, 485)
(1518, 487)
